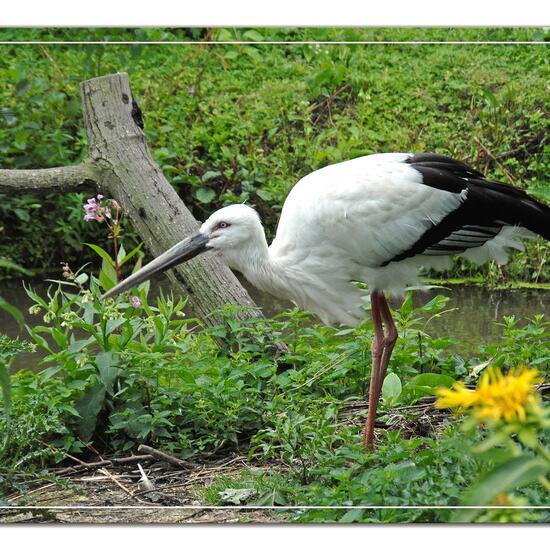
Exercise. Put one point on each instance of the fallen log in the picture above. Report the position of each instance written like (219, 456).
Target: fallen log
(120, 165)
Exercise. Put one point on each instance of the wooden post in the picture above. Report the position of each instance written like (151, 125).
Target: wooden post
(120, 165)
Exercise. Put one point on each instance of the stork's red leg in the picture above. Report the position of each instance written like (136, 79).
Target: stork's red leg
(385, 335)
(390, 337)
(376, 352)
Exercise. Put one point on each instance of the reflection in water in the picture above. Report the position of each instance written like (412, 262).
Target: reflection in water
(473, 323)
(475, 310)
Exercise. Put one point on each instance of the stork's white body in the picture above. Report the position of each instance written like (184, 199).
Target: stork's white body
(375, 220)
(339, 225)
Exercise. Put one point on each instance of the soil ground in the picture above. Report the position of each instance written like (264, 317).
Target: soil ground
(114, 495)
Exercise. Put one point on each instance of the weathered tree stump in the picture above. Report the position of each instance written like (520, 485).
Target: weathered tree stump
(120, 165)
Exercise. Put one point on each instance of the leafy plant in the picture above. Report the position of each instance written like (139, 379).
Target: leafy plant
(515, 419)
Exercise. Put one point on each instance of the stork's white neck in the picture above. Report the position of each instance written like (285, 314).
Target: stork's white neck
(254, 261)
(282, 275)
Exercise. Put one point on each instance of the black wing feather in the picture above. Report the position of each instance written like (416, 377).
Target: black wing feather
(488, 206)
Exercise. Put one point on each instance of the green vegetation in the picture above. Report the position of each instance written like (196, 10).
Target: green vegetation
(126, 372)
(244, 122)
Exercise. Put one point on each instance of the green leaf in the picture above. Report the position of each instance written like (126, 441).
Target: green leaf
(253, 36)
(130, 254)
(236, 496)
(89, 407)
(407, 305)
(13, 311)
(113, 324)
(271, 497)
(263, 194)
(6, 385)
(101, 252)
(391, 388)
(224, 35)
(210, 175)
(352, 515)
(528, 436)
(540, 192)
(205, 194)
(108, 373)
(426, 384)
(107, 276)
(82, 278)
(490, 98)
(121, 253)
(7, 264)
(507, 477)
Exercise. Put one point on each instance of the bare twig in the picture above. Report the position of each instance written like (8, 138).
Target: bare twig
(91, 465)
(490, 154)
(52, 61)
(330, 97)
(166, 457)
(123, 487)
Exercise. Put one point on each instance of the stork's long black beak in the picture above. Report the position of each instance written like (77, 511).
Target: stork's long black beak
(181, 252)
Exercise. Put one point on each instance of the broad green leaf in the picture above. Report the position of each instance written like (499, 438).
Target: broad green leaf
(77, 345)
(269, 498)
(121, 253)
(210, 175)
(108, 372)
(13, 311)
(46, 374)
(101, 252)
(253, 36)
(82, 278)
(113, 324)
(205, 194)
(88, 407)
(352, 515)
(59, 338)
(7, 264)
(391, 388)
(225, 35)
(106, 282)
(507, 477)
(426, 384)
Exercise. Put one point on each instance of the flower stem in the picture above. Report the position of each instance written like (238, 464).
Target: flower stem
(117, 265)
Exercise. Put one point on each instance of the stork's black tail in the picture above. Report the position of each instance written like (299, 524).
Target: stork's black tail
(540, 220)
(487, 201)
(516, 207)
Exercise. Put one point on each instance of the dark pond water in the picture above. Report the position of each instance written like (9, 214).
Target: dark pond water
(472, 323)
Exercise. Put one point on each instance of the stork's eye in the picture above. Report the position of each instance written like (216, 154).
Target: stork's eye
(223, 225)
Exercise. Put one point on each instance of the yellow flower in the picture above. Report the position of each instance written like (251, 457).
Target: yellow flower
(497, 397)
(458, 396)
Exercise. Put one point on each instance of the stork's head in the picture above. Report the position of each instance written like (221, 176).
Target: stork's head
(231, 227)
(227, 231)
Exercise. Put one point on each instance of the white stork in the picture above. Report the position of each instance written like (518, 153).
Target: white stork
(374, 219)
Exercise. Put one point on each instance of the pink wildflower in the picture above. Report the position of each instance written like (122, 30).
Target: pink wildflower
(94, 211)
(136, 302)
